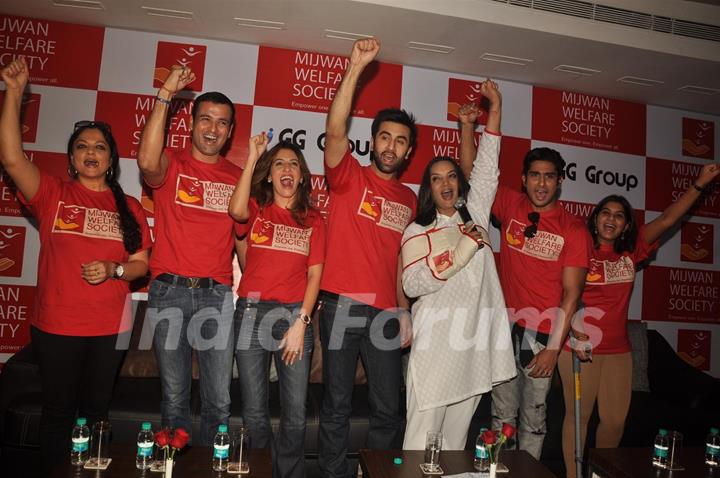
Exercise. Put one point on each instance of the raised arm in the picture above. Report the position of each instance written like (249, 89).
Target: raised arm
(23, 172)
(468, 114)
(675, 211)
(151, 159)
(238, 208)
(336, 125)
(483, 177)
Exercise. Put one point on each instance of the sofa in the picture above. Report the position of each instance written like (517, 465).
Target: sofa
(667, 392)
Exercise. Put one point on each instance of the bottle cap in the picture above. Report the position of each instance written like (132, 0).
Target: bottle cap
(81, 421)
(222, 428)
(714, 431)
(147, 426)
(662, 432)
(397, 460)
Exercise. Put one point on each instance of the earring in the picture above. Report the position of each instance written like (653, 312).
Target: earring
(301, 180)
(622, 236)
(269, 180)
(72, 172)
(109, 172)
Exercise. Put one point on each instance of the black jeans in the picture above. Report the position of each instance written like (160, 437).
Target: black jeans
(77, 374)
(349, 328)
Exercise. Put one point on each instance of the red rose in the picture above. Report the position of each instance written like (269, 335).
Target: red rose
(508, 430)
(489, 437)
(162, 438)
(179, 439)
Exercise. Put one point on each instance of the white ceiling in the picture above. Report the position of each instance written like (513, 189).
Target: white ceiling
(471, 27)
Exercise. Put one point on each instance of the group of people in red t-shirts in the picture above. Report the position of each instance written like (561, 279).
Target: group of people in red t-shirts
(381, 244)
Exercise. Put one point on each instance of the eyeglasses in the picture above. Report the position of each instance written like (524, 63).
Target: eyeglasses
(531, 230)
(92, 124)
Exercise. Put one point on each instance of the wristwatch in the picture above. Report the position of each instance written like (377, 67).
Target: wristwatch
(119, 271)
(305, 318)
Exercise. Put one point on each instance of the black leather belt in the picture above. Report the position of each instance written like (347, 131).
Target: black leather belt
(189, 282)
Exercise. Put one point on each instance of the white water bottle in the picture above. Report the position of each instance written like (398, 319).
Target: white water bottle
(660, 449)
(482, 458)
(145, 446)
(221, 449)
(712, 448)
(80, 450)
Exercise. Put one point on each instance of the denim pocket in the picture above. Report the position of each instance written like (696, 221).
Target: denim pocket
(159, 290)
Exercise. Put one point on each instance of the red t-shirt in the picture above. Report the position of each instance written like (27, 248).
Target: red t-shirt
(279, 253)
(531, 269)
(78, 226)
(608, 287)
(193, 231)
(368, 215)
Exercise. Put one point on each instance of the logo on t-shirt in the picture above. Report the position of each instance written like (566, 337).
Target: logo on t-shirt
(88, 222)
(182, 54)
(281, 237)
(610, 272)
(387, 214)
(545, 245)
(207, 195)
(12, 250)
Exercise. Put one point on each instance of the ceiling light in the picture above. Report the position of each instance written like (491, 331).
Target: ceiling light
(635, 80)
(576, 70)
(165, 12)
(699, 90)
(268, 24)
(89, 4)
(340, 35)
(416, 45)
(512, 60)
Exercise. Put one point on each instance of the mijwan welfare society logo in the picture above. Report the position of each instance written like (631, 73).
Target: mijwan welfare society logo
(698, 138)
(12, 249)
(181, 54)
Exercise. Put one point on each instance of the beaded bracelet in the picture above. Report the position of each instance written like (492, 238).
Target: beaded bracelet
(163, 100)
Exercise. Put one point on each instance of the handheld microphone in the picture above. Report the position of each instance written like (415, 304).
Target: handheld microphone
(461, 207)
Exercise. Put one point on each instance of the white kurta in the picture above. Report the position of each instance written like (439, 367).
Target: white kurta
(461, 337)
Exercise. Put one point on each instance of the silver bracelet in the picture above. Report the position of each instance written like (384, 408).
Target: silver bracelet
(163, 100)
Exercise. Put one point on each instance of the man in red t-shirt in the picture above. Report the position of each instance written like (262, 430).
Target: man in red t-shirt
(544, 254)
(190, 303)
(360, 292)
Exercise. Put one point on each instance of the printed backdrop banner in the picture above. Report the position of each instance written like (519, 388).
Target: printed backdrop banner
(649, 154)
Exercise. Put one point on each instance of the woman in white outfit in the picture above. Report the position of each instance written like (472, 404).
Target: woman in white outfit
(461, 338)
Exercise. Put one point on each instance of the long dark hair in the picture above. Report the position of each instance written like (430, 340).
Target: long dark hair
(262, 190)
(427, 212)
(627, 240)
(128, 223)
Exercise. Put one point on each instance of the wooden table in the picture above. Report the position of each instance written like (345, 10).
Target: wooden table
(637, 463)
(194, 462)
(379, 464)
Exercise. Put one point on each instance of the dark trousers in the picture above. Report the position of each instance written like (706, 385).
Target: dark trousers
(349, 328)
(77, 374)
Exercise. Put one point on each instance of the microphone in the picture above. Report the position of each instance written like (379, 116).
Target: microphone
(461, 207)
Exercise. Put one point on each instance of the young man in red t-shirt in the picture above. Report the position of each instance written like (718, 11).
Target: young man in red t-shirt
(360, 292)
(544, 254)
(190, 302)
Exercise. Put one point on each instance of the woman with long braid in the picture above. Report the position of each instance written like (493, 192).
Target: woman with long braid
(94, 240)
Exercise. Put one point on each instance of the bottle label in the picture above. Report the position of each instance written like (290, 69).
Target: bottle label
(661, 451)
(481, 453)
(80, 444)
(145, 448)
(711, 449)
(221, 451)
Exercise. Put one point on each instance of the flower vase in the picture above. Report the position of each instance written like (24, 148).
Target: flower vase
(493, 470)
(168, 467)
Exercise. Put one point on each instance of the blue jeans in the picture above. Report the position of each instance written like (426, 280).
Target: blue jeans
(349, 328)
(186, 319)
(262, 325)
